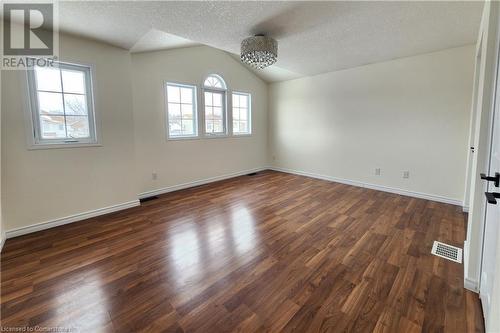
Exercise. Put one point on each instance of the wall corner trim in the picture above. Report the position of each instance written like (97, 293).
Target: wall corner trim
(382, 188)
(70, 219)
(2, 241)
(471, 285)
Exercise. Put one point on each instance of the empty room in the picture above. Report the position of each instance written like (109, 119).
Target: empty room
(250, 166)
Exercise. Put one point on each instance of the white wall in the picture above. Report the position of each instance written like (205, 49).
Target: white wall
(183, 161)
(406, 114)
(43, 185)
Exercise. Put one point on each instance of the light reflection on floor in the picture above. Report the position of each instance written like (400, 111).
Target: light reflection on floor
(243, 230)
(88, 293)
(217, 239)
(196, 248)
(185, 253)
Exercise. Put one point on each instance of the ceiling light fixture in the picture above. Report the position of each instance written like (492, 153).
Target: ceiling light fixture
(259, 51)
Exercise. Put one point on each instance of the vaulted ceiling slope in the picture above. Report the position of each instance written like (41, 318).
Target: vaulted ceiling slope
(314, 37)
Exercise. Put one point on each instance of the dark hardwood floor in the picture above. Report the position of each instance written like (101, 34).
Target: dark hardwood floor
(272, 252)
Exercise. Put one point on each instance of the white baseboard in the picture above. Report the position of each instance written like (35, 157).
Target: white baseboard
(465, 209)
(197, 183)
(2, 240)
(382, 188)
(471, 285)
(114, 208)
(70, 219)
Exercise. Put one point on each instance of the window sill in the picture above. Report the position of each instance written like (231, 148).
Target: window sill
(183, 138)
(43, 146)
(209, 137)
(216, 136)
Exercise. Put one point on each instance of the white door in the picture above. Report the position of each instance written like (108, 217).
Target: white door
(490, 256)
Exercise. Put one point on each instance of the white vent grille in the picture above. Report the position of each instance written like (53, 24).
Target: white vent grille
(447, 251)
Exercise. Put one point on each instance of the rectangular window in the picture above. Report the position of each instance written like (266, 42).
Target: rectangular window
(242, 113)
(214, 113)
(181, 111)
(62, 104)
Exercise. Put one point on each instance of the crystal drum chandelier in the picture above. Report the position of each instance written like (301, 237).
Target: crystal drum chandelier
(259, 51)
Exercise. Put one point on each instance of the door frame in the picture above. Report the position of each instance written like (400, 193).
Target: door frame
(471, 156)
(493, 123)
(489, 38)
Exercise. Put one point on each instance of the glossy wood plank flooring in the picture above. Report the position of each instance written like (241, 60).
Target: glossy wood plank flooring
(272, 252)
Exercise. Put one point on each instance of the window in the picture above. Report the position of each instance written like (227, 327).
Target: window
(214, 96)
(62, 104)
(181, 110)
(242, 114)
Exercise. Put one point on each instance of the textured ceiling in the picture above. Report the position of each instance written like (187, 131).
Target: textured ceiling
(156, 39)
(314, 37)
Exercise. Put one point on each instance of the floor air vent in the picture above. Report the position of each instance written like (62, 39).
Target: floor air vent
(447, 251)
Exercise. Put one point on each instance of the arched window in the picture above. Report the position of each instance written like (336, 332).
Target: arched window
(214, 95)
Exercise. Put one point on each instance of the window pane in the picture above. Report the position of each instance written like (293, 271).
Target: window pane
(241, 113)
(243, 127)
(73, 81)
(218, 126)
(209, 126)
(173, 94)
(236, 100)
(174, 111)
(209, 113)
(244, 114)
(217, 99)
(214, 106)
(214, 82)
(217, 112)
(75, 104)
(77, 126)
(243, 101)
(187, 111)
(186, 95)
(236, 114)
(187, 127)
(52, 127)
(174, 127)
(62, 98)
(181, 109)
(50, 103)
(208, 98)
(48, 78)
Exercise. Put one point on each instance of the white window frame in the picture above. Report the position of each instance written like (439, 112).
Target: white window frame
(249, 116)
(224, 103)
(36, 138)
(195, 111)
